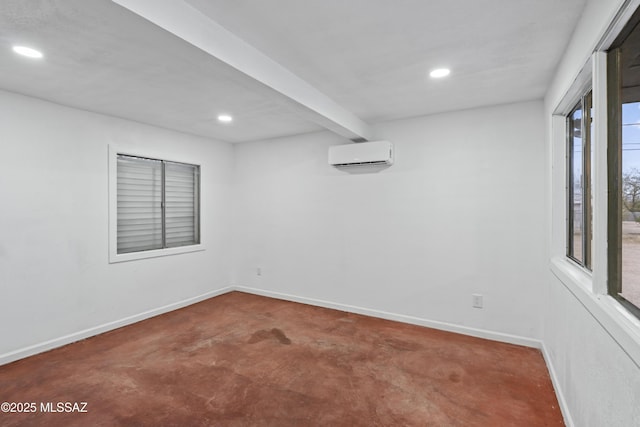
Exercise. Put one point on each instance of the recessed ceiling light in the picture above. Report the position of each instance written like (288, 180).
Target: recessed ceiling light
(440, 72)
(27, 51)
(225, 118)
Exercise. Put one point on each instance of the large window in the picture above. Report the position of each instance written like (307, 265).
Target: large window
(624, 166)
(595, 199)
(579, 182)
(158, 204)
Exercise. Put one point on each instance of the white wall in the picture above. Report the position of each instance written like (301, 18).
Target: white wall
(55, 278)
(586, 347)
(460, 212)
(599, 382)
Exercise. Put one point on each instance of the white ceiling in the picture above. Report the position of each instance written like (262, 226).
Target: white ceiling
(371, 57)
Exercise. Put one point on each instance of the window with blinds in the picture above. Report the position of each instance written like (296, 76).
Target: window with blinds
(158, 204)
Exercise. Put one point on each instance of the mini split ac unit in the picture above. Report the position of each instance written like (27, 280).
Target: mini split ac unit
(361, 154)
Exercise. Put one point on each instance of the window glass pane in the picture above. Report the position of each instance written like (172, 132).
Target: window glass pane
(628, 170)
(182, 200)
(587, 201)
(139, 199)
(576, 214)
(631, 202)
(158, 204)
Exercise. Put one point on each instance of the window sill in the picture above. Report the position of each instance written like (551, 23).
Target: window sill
(621, 325)
(114, 258)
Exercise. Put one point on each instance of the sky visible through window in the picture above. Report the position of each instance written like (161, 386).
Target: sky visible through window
(577, 148)
(630, 137)
(576, 244)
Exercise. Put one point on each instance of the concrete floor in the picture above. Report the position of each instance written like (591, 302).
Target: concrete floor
(245, 360)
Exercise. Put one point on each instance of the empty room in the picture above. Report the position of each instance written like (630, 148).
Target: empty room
(320, 213)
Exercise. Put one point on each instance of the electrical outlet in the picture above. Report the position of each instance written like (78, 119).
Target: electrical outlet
(477, 300)
(258, 271)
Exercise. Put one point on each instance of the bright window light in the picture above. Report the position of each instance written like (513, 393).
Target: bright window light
(225, 118)
(439, 72)
(27, 51)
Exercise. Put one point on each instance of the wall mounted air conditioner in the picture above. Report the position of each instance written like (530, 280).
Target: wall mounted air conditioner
(361, 154)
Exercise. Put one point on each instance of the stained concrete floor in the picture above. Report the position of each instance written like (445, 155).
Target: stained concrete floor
(245, 360)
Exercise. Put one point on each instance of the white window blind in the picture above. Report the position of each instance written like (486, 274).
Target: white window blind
(139, 204)
(181, 201)
(157, 204)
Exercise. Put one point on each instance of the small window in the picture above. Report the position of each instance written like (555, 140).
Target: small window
(158, 204)
(624, 166)
(579, 182)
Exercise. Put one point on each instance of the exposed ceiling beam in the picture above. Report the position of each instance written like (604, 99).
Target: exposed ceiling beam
(257, 69)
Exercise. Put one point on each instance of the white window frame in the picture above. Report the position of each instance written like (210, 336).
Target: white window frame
(114, 256)
(586, 186)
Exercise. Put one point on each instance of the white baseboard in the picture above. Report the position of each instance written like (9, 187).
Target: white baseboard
(77, 336)
(444, 326)
(564, 407)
